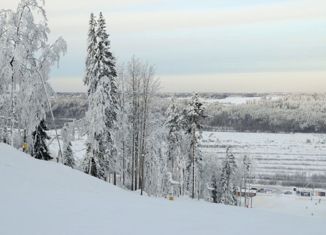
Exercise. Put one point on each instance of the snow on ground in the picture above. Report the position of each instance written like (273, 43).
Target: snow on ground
(291, 204)
(78, 146)
(39, 197)
(236, 100)
(272, 153)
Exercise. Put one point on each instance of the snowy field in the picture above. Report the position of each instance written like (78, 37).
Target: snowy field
(39, 197)
(234, 100)
(285, 154)
(272, 153)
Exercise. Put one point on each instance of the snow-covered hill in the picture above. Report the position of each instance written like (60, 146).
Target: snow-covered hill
(44, 198)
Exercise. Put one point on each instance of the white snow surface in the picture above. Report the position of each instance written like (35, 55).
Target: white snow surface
(45, 198)
(291, 204)
(272, 153)
(234, 100)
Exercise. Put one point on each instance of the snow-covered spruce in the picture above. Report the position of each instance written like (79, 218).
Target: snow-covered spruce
(68, 156)
(193, 117)
(227, 192)
(40, 148)
(102, 98)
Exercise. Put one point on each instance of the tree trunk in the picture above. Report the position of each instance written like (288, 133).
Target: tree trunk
(12, 103)
(123, 163)
(114, 178)
(144, 135)
(133, 162)
(133, 132)
(193, 159)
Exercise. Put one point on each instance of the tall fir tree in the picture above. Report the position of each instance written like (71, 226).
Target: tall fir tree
(102, 97)
(227, 184)
(40, 148)
(193, 117)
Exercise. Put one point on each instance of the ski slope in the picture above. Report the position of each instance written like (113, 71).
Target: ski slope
(44, 198)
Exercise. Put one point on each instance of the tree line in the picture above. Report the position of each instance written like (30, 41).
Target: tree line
(303, 113)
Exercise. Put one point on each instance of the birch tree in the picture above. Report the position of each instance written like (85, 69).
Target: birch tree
(139, 93)
(26, 63)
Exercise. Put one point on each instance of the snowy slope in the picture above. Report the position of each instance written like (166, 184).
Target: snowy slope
(291, 204)
(45, 198)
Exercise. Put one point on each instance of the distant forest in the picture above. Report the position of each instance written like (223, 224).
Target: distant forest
(288, 113)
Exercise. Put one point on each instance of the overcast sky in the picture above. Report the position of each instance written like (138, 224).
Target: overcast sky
(208, 45)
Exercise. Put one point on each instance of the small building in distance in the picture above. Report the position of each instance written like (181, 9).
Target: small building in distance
(311, 192)
(320, 193)
(246, 193)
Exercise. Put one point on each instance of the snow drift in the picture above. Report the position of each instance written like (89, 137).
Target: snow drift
(39, 197)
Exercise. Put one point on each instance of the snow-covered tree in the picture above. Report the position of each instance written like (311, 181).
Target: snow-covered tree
(95, 162)
(214, 188)
(174, 126)
(124, 127)
(65, 135)
(178, 145)
(3, 133)
(40, 148)
(68, 156)
(134, 73)
(193, 117)
(90, 59)
(227, 194)
(244, 174)
(156, 181)
(88, 164)
(26, 59)
(195, 113)
(140, 128)
(102, 97)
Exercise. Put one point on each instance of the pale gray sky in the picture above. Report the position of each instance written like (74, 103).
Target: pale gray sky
(212, 45)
